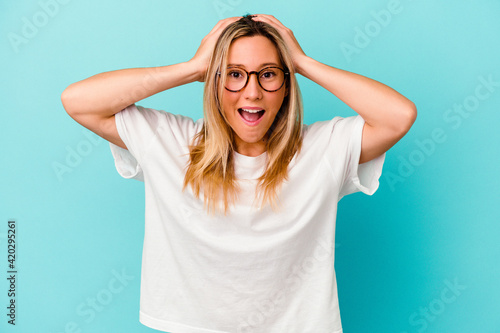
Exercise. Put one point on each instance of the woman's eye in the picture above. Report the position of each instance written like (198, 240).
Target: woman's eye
(268, 75)
(235, 75)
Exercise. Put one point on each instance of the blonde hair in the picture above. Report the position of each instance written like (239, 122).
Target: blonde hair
(211, 167)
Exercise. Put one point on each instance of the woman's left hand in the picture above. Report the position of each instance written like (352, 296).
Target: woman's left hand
(296, 51)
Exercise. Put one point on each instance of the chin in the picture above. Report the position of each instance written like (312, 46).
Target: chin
(251, 139)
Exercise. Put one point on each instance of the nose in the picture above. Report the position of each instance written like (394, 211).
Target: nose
(253, 90)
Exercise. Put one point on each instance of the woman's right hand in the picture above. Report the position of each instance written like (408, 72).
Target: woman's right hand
(93, 102)
(202, 56)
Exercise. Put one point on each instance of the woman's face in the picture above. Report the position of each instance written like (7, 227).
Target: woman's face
(250, 127)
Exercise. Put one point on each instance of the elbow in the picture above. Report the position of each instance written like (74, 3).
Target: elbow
(65, 99)
(412, 114)
(408, 118)
(68, 100)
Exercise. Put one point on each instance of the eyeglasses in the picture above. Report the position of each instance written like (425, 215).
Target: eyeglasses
(270, 78)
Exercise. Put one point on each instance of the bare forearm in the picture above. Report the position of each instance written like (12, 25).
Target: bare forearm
(108, 93)
(378, 104)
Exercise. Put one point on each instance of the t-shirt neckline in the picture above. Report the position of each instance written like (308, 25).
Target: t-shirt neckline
(249, 167)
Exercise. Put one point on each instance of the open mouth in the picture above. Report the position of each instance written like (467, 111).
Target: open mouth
(251, 116)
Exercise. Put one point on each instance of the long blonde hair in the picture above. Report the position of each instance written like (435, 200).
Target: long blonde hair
(211, 167)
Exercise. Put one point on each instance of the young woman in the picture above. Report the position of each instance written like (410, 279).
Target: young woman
(241, 205)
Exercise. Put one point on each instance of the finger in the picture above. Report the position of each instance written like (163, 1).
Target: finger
(285, 33)
(219, 27)
(271, 20)
(227, 21)
(222, 24)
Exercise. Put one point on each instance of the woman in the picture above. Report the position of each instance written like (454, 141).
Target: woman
(241, 205)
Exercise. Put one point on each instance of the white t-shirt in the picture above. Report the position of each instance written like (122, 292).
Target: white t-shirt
(252, 270)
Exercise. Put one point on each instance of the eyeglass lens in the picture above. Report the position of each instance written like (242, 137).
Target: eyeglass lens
(270, 78)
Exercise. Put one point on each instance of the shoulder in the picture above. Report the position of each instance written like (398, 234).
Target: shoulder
(152, 115)
(156, 120)
(335, 127)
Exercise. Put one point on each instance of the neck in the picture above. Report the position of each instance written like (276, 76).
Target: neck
(250, 149)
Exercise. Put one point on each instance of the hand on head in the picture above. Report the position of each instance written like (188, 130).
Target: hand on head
(293, 45)
(202, 56)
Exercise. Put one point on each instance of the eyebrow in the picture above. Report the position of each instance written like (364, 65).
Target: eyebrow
(262, 65)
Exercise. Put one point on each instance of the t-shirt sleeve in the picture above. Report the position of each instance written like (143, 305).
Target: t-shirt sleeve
(126, 164)
(344, 152)
(136, 126)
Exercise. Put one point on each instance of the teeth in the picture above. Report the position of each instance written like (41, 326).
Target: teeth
(251, 111)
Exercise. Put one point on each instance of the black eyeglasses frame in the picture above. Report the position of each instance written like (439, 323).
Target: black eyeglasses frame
(257, 73)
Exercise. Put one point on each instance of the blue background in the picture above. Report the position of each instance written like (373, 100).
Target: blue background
(434, 222)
